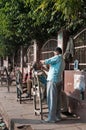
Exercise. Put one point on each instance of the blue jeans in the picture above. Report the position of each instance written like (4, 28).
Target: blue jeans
(53, 100)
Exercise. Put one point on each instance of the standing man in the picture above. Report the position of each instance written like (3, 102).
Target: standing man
(54, 85)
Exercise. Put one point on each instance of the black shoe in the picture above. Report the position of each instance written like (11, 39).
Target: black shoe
(27, 95)
(68, 113)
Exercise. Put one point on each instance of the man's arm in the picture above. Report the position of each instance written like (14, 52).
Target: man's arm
(42, 62)
(52, 60)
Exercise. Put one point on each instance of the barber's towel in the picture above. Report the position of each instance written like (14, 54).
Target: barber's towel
(70, 46)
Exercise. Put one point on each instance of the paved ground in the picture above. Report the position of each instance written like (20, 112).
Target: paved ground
(15, 114)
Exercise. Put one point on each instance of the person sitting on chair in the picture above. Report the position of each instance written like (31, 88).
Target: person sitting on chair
(28, 80)
(37, 70)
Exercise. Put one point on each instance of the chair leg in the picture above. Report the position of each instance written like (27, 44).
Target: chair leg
(8, 85)
(17, 94)
(20, 97)
(34, 100)
(40, 103)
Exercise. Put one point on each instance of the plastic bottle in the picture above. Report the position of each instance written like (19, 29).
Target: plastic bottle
(76, 64)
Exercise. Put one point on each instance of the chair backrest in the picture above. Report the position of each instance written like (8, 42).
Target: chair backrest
(19, 77)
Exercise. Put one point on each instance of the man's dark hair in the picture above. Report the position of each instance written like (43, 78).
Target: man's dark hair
(58, 49)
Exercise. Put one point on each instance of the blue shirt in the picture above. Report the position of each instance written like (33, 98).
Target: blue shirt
(42, 79)
(56, 68)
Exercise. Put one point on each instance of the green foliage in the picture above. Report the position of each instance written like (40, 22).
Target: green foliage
(73, 12)
(24, 20)
(7, 50)
(2, 50)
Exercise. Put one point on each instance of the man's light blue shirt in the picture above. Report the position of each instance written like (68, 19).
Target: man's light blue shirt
(56, 68)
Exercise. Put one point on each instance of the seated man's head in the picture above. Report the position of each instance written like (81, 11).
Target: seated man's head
(36, 66)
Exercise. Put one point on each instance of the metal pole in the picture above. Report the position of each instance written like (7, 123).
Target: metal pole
(22, 60)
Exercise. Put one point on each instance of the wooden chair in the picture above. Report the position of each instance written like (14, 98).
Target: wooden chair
(37, 97)
(5, 77)
(21, 89)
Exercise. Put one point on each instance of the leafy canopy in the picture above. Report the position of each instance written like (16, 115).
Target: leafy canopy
(24, 20)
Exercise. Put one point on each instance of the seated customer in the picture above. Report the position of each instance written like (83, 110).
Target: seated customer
(28, 82)
(42, 78)
(22, 83)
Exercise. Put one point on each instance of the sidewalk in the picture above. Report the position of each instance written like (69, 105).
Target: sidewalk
(15, 113)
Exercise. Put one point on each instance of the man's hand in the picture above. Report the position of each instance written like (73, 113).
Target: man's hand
(42, 61)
